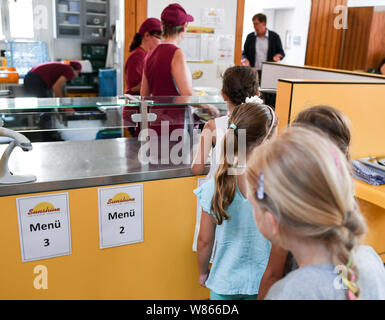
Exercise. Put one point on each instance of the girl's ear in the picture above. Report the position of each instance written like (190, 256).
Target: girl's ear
(224, 96)
(273, 225)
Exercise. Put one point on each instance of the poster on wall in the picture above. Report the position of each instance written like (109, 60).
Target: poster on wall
(120, 215)
(191, 46)
(213, 17)
(44, 226)
(226, 44)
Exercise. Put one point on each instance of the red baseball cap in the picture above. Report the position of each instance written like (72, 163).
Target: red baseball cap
(76, 65)
(174, 15)
(150, 25)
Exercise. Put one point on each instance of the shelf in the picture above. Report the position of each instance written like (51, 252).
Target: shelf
(98, 2)
(96, 14)
(69, 12)
(69, 25)
(96, 27)
(369, 193)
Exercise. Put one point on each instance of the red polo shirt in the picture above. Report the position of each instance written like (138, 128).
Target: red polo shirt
(134, 69)
(50, 72)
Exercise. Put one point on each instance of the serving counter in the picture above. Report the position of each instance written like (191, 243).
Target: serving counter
(160, 265)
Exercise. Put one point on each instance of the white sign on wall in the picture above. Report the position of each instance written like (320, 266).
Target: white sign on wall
(44, 226)
(213, 17)
(120, 215)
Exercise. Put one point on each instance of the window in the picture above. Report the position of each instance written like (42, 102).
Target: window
(20, 19)
(16, 19)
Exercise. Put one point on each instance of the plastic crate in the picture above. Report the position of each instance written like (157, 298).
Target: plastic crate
(109, 134)
(74, 6)
(24, 55)
(94, 51)
(107, 83)
(74, 19)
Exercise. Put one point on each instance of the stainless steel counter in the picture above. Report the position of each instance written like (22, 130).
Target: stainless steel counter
(80, 164)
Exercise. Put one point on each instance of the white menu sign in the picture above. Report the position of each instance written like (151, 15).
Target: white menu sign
(120, 215)
(44, 226)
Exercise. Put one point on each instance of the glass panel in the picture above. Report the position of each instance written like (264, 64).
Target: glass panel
(43, 103)
(75, 119)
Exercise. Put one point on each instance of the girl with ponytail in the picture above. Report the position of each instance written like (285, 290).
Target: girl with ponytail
(242, 253)
(301, 189)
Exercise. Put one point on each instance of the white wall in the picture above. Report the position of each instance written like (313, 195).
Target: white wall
(365, 3)
(193, 7)
(282, 16)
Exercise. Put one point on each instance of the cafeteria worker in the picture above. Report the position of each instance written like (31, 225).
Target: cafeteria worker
(165, 70)
(144, 41)
(48, 80)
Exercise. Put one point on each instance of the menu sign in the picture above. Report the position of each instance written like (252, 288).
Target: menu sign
(44, 226)
(120, 215)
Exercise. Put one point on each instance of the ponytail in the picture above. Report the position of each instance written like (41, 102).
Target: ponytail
(225, 185)
(136, 42)
(257, 123)
(342, 241)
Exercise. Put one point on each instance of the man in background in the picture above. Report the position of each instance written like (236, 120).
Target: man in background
(261, 45)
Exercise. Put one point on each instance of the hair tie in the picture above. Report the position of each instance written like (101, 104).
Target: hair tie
(233, 126)
(261, 187)
(271, 125)
(254, 99)
(336, 159)
(350, 261)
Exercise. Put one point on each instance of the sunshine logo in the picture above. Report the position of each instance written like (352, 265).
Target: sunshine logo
(43, 207)
(119, 198)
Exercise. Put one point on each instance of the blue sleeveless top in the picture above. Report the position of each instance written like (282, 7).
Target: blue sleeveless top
(242, 252)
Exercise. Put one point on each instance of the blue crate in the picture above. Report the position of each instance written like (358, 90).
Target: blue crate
(24, 55)
(74, 19)
(74, 6)
(107, 83)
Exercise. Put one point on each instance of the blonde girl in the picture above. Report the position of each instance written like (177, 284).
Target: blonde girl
(242, 253)
(302, 193)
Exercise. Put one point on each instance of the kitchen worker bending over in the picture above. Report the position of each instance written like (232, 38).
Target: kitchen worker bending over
(48, 79)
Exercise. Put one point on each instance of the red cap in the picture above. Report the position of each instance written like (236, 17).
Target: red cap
(76, 65)
(174, 15)
(149, 25)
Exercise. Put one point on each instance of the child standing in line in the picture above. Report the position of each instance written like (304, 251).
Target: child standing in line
(242, 253)
(238, 84)
(336, 126)
(302, 193)
(329, 120)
